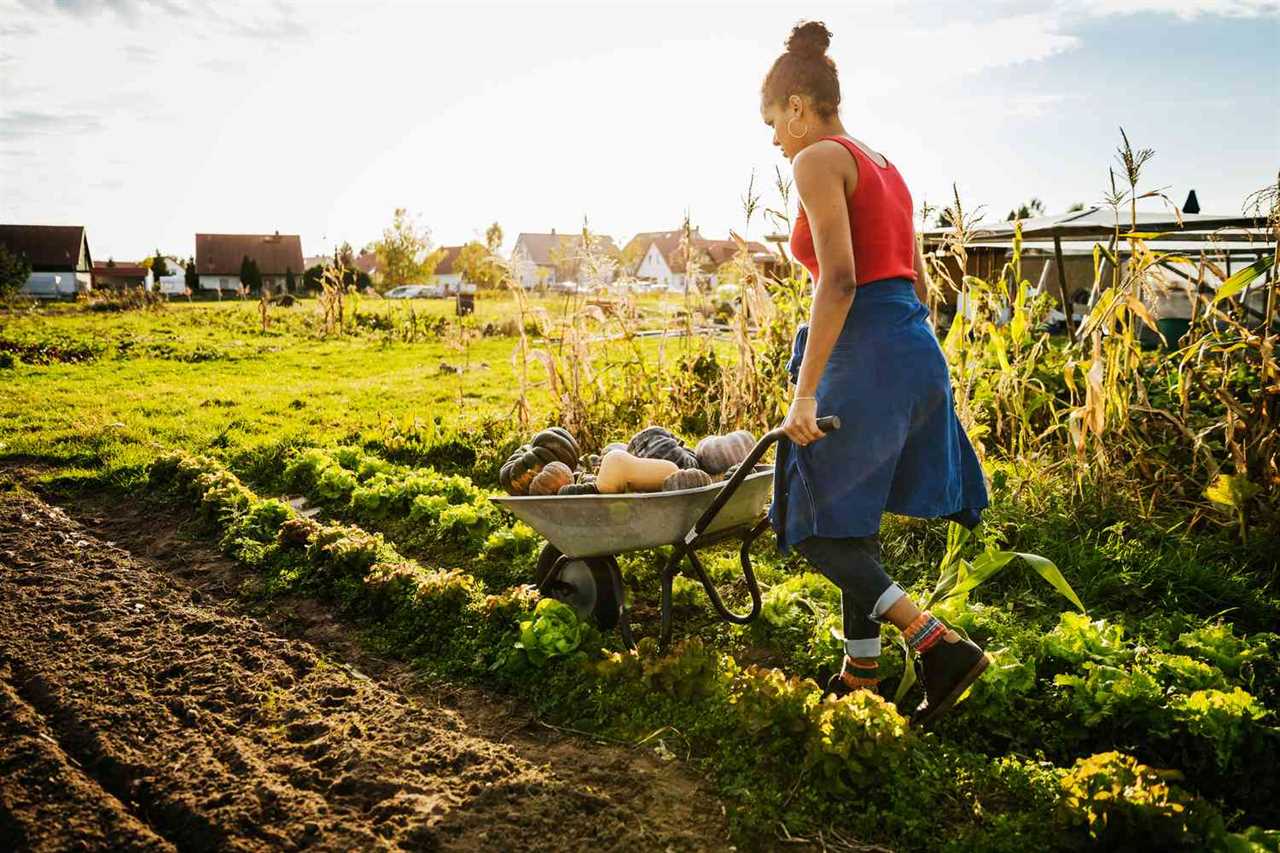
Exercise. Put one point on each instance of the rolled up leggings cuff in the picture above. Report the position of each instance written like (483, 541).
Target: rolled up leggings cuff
(887, 599)
(862, 648)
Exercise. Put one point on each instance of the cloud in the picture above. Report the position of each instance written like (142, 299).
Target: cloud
(141, 53)
(16, 30)
(256, 20)
(130, 10)
(23, 124)
(1185, 9)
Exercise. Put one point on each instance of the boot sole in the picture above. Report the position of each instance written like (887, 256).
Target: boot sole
(930, 715)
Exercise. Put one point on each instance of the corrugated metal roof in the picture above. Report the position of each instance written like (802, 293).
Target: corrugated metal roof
(1095, 222)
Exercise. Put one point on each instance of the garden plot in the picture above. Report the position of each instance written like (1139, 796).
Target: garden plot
(137, 718)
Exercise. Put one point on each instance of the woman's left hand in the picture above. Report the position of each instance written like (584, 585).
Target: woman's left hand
(801, 425)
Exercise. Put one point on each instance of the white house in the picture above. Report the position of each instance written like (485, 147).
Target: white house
(61, 266)
(663, 259)
(219, 256)
(175, 283)
(447, 272)
(545, 259)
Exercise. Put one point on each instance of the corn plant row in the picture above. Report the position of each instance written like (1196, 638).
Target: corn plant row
(812, 760)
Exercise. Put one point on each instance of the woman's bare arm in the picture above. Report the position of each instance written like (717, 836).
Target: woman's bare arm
(819, 175)
(922, 273)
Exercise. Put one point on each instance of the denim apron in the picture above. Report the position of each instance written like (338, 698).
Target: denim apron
(900, 447)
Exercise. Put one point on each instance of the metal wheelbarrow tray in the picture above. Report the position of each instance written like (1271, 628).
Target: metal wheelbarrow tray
(586, 532)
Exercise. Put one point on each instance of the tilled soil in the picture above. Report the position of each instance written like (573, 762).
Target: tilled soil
(137, 712)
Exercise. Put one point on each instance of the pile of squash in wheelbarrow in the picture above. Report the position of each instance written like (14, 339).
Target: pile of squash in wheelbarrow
(654, 460)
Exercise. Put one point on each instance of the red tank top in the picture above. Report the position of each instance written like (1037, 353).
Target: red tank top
(880, 218)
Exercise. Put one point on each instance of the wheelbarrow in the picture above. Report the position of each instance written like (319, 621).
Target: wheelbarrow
(586, 533)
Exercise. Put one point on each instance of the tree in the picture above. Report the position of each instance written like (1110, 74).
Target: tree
(631, 255)
(1034, 207)
(478, 265)
(289, 281)
(311, 278)
(493, 238)
(403, 251)
(250, 276)
(190, 277)
(15, 269)
(159, 266)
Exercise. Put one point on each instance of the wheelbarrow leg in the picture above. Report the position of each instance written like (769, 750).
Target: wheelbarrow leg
(668, 579)
(624, 619)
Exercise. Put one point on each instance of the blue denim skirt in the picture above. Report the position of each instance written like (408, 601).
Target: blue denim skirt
(900, 447)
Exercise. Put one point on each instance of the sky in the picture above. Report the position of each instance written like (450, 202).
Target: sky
(150, 120)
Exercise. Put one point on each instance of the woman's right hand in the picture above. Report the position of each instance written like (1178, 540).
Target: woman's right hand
(801, 425)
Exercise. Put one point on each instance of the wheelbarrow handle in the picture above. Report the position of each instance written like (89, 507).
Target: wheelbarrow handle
(830, 423)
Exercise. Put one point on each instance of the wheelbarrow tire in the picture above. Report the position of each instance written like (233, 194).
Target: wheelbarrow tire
(607, 604)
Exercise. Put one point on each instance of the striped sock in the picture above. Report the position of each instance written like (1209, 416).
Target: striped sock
(924, 632)
(860, 675)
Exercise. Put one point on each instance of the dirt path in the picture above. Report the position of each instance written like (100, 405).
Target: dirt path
(139, 712)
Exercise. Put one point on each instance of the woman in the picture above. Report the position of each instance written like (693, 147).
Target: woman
(869, 356)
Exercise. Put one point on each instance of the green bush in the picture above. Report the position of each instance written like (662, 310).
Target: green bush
(1128, 805)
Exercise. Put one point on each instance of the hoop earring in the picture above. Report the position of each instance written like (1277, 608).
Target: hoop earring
(795, 135)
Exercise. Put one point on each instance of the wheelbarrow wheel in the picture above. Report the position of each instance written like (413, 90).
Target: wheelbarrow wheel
(585, 585)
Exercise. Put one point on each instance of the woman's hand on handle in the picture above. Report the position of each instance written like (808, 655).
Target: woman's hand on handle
(801, 425)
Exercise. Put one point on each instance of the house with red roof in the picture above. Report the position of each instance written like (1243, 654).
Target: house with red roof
(548, 259)
(663, 258)
(219, 257)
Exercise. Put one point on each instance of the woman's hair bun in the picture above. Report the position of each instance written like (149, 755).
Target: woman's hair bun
(809, 38)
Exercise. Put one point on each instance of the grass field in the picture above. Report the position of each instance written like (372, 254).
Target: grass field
(396, 431)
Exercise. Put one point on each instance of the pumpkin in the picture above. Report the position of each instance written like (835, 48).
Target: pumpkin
(550, 445)
(552, 477)
(590, 462)
(717, 453)
(621, 472)
(584, 488)
(657, 443)
(558, 440)
(688, 478)
(616, 445)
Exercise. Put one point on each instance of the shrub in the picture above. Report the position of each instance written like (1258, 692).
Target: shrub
(768, 701)
(1219, 716)
(1076, 639)
(856, 741)
(1123, 802)
(554, 632)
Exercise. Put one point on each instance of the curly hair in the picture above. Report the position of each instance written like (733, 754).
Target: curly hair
(805, 69)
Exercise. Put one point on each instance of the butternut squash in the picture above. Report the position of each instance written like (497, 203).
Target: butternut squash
(621, 472)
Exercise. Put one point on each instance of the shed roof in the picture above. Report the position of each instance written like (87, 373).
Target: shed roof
(1100, 222)
(48, 247)
(123, 269)
(221, 254)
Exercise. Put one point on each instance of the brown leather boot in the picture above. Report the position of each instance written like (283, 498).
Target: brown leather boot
(946, 671)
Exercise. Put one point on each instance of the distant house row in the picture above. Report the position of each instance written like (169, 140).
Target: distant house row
(551, 259)
(62, 265)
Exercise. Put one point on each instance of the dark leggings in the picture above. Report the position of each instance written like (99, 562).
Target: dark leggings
(866, 590)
